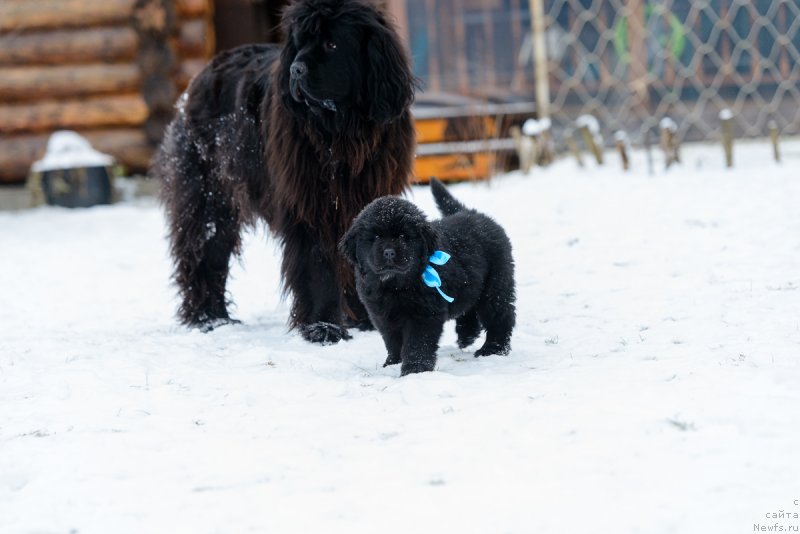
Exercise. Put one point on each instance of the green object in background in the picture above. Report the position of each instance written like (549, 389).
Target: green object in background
(676, 42)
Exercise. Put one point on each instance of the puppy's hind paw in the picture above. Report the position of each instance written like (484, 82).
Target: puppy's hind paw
(324, 333)
(363, 325)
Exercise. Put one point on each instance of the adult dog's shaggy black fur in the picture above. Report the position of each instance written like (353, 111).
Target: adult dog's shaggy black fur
(301, 136)
(389, 245)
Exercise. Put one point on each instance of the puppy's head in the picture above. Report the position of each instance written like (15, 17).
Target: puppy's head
(390, 237)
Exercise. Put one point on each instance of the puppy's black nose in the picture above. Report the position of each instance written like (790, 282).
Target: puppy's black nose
(298, 70)
(389, 254)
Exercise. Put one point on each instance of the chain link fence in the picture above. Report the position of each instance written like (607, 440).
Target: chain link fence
(630, 63)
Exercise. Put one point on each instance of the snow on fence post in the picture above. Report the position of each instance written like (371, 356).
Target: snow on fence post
(590, 130)
(774, 137)
(569, 138)
(726, 118)
(622, 143)
(669, 141)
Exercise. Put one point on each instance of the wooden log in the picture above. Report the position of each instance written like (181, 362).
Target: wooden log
(70, 46)
(126, 110)
(190, 9)
(195, 39)
(19, 15)
(35, 83)
(128, 145)
(187, 70)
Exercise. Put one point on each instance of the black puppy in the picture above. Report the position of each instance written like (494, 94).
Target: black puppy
(413, 275)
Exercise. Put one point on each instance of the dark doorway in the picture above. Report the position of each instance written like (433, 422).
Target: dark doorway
(238, 22)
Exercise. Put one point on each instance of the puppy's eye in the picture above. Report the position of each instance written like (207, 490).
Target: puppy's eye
(330, 46)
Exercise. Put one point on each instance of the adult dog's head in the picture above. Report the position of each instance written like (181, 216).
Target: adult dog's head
(391, 238)
(343, 57)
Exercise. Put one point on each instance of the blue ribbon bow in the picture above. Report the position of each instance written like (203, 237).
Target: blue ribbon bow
(431, 277)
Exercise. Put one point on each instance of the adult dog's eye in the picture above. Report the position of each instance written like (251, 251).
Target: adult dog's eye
(330, 46)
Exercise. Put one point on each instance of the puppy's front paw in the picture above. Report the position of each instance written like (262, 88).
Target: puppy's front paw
(323, 333)
(417, 367)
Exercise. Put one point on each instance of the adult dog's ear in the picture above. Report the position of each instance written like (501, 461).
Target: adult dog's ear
(389, 84)
(348, 245)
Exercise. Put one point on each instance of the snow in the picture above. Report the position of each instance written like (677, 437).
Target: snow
(668, 124)
(535, 127)
(652, 386)
(68, 150)
(590, 122)
(621, 136)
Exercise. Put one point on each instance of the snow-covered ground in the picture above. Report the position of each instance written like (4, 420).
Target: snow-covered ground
(653, 385)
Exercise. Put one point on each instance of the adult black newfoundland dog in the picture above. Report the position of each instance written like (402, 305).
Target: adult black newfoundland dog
(414, 275)
(301, 136)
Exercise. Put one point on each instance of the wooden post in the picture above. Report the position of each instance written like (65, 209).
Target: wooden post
(569, 138)
(726, 118)
(774, 137)
(622, 144)
(539, 131)
(525, 147)
(540, 59)
(590, 131)
(637, 44)
(669, 141)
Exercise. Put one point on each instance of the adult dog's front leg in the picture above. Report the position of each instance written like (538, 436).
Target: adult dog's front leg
(420, 342)
(309, 275)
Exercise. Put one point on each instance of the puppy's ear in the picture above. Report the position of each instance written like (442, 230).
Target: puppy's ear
(429, 238)
(348, 245)
(389, 84)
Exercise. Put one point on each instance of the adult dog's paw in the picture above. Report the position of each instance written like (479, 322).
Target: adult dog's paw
(207, 325)
(392, 360)
(491, 349)
(324, 333)
(417, 367)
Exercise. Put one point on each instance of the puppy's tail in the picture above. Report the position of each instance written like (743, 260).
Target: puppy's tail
(446, 203)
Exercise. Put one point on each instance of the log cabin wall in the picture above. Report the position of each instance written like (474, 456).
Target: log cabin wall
(108, 69)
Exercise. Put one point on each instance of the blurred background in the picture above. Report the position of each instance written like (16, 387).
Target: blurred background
(112, 70)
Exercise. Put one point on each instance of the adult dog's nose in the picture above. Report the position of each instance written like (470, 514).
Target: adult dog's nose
(298, 70)
(389, 254)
